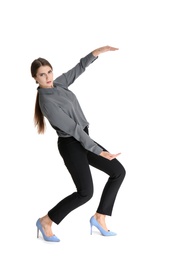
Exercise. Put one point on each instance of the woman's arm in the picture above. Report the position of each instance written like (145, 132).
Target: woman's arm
(66, 79)
(60, 120)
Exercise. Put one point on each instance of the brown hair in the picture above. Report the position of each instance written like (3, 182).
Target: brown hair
(39, 121)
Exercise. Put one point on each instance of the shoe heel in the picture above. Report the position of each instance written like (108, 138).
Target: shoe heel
(37, 232)
(90, 229)
(95, 223)
(46, 238)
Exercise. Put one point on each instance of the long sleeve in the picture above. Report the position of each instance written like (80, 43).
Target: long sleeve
(66, 79)
(59, 119)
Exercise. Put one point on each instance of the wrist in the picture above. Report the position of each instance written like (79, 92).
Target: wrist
(96, 52)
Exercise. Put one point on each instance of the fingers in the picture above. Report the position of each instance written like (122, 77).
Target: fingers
(113, 156)
(113, 49)
(110, 48)
(108, 155)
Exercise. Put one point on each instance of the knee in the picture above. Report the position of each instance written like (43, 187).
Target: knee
(122, 172)
(119, 173)
(86, 195)
(89, 195)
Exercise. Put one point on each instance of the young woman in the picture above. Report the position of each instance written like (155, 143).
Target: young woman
(60, 106)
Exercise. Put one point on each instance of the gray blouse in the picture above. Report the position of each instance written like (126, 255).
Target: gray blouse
(62, 109)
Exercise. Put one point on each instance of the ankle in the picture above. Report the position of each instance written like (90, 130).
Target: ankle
(46, 221)
(99, 216)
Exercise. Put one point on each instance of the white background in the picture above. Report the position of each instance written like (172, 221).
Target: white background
(126, 96)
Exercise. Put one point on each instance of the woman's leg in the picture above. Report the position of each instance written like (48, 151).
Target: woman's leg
(75, 159)
(116, 173)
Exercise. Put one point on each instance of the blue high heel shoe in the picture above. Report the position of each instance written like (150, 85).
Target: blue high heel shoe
(94, 222)
(46, 238)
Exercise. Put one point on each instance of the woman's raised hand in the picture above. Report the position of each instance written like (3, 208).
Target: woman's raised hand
(103, 49)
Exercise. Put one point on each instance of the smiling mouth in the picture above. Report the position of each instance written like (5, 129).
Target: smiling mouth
(48, 82)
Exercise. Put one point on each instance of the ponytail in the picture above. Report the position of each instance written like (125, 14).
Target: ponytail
(38, 116)
(39, 121)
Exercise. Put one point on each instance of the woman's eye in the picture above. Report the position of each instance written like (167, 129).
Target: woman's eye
(41, 74)
(50, 71)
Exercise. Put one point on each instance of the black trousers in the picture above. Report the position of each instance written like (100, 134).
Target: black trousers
(78, 161)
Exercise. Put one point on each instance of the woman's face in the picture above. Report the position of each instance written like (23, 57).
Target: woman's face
(44, 77)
